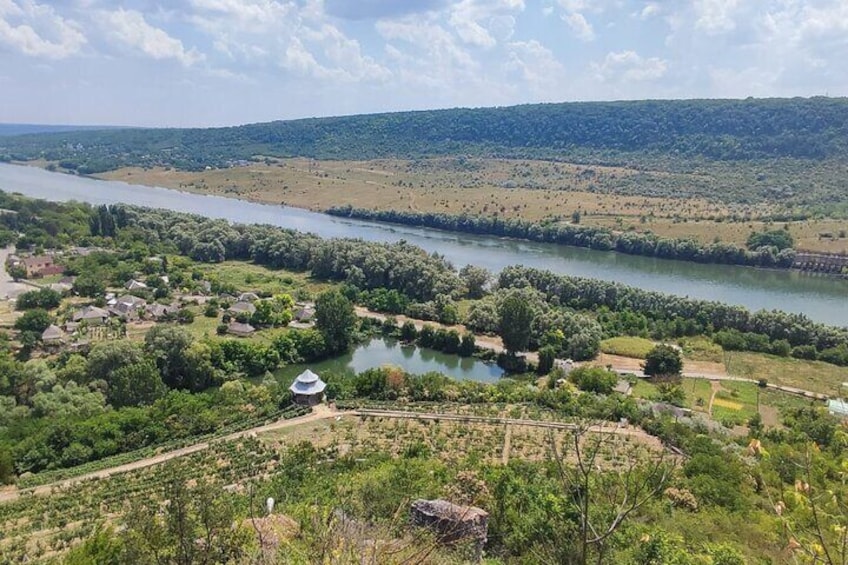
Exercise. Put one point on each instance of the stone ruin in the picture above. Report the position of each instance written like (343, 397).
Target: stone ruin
(452, 523)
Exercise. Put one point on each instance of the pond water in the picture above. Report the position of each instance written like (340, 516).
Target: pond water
(412, 359)
(823, 299)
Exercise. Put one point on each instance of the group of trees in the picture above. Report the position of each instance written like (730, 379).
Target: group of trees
(673, 315)
(525, 319)
(763, 250)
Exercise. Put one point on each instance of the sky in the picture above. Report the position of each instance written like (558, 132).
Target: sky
(227, 62)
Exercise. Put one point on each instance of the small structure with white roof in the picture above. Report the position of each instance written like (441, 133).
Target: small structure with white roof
(308, 389)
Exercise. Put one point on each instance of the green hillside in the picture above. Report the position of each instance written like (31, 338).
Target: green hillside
(673, 133)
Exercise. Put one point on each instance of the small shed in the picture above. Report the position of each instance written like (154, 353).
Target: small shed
(308, 388)
(53, 335)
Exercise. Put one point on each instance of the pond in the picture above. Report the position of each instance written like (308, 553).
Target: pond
(412, 359)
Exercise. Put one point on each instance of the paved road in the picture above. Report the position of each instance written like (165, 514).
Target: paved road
(8, 287)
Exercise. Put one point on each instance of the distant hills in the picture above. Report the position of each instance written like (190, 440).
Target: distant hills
(594, 132)
(23, 129)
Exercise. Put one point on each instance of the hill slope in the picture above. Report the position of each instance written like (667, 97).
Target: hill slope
(613, 132)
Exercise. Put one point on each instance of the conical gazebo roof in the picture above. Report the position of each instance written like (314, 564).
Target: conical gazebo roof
(308, 383)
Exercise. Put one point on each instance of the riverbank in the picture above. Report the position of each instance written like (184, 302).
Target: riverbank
(494, 188)
(820, 298)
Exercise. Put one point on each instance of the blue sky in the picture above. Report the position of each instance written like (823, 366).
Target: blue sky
(223, 62)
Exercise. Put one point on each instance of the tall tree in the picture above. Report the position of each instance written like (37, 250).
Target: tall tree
(663, 361)
(516, 317)
(335, 319)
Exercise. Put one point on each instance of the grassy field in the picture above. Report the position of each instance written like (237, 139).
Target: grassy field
(672, 204)
(256, 278)
(809, 375)
(636, 347)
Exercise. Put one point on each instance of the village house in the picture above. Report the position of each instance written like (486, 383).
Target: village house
(53, 335)
(304, 314)
(41, 266)
(160, 311)
(240, 330)
(308, 389)
(128, 306)
(91, 314)
(133, 284)
(242, 308)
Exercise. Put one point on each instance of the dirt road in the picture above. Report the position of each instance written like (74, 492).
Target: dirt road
(320, 412)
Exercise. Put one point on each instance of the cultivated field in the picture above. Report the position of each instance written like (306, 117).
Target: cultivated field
(701, 204)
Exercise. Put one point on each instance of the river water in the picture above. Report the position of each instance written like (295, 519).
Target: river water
(412, 359)
(821, 298)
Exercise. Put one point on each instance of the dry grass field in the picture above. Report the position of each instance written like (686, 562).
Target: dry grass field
(532, 190)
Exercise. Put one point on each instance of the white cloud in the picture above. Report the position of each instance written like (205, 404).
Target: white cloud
(477, 22)
(650, 10)
(537, 67)
(715, 16)
(629, 66)
(577, 22)
(129, 28)
(37, 30)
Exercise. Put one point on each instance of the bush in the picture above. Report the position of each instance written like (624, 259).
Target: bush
(44, 298)
(593, 379)
(185, 316)
(804, 352)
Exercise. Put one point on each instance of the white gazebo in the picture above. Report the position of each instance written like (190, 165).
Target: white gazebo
(308, 388)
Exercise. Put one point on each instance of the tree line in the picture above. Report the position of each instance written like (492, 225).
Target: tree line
(674, 315)
(763, 251)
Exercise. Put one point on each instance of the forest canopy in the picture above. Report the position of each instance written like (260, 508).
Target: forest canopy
(611, 132)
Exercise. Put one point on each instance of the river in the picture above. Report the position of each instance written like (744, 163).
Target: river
(821, 298)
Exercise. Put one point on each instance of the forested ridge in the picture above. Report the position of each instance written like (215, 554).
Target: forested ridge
(602, 132)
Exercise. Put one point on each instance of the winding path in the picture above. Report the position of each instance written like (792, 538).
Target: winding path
(320, 412)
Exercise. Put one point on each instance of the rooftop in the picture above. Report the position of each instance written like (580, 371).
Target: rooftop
(308, 383)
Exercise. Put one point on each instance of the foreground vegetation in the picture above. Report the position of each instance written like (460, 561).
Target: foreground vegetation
(569, 469)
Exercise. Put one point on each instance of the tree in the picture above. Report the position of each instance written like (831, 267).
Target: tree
(88, 285)
(547, 354)
(663, 361)
(475, 280)
(35, 321)
(601, 501)
(779, 239)
(181, 364)
(408, 332)
(109, 356)
(593, 379)
(335, 319)
(196, 526)
(133, 385)
(43, 298)
(516, 317)
(17, 272)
